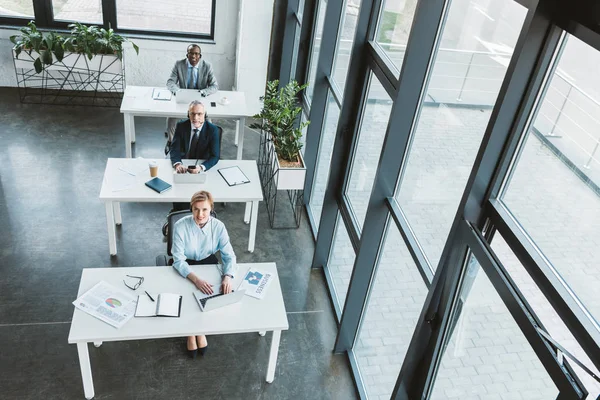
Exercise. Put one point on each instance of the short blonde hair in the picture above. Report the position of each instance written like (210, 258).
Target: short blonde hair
(202, 195)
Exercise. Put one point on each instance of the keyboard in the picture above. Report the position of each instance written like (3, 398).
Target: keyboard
(204, 300)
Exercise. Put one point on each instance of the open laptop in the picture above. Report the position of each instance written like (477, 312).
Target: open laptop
(217, 300)
(186, 96)
(189, 178)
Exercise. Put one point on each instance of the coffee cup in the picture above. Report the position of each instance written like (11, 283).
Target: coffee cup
(153, 165)
(224, 100)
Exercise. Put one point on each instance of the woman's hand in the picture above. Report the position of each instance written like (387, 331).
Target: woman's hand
(226, 285)
(204, 286)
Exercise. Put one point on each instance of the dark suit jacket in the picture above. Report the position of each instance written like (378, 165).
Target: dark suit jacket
(208, 143)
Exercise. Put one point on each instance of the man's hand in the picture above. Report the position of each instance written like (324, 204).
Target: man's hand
(196, 170)
(226, 285)
(204, 286)
(180, 168)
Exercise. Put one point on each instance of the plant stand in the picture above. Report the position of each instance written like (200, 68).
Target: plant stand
(76, 80)
(275, 183)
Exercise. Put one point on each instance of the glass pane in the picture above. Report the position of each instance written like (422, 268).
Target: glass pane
(316, 48)
(341, 62)
(394, 27)
(332, 114)
(370, 140)
(449, 131)
(549, 318)
(547, 192)
(16, 8)
(84, 11)
(487, 356)
(341, 262)
(395, 301)
(303, 119)
(295, 50)
(172, 16)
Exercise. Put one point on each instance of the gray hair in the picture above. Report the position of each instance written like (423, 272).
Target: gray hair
(195, 103)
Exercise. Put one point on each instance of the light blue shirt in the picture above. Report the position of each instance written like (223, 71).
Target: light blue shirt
(195, 243)
(192, 75)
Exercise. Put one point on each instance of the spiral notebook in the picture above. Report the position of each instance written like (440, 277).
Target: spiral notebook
(165, 305)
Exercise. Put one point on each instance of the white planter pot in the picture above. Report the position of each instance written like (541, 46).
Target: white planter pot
(289, 178)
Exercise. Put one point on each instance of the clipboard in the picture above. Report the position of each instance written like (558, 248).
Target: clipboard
(234, 176)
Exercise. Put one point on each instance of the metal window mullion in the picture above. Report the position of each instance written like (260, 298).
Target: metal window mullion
(307, 23)
(287, 48)
(336, 92)
(109, 13)
(314, 131)
(570, 311)
(342, 139)
(411, 241)
(511, 298)
(383, 68)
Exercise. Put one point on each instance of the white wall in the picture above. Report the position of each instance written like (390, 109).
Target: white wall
(155, 61)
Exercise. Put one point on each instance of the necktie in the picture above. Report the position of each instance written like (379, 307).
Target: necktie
(191, 81)
(192, 151)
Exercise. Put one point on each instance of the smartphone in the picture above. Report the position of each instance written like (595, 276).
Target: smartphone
(213, 104)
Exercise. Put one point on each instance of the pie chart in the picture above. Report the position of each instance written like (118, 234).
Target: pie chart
(113, 302)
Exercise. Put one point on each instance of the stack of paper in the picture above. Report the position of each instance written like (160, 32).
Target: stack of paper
(108, 304)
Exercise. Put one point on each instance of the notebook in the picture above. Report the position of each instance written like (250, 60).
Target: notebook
(165, 305)
(208, 303)
(158, 185)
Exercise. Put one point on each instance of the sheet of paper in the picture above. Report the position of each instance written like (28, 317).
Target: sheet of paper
(256, 283)
(108, 304)
(168, 304)
(233, 175)
(145, 306)
(161, 94)
(121, 181)
(134, 166)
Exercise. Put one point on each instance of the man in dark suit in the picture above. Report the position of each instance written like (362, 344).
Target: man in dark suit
(195, 138)
(191, 73)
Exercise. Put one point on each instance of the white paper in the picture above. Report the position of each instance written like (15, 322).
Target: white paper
(108, 304)
(233, 175)
(161, 94)
(168, 304)
(256, 283)
(145, 306)
(134, 166)
(121, 181)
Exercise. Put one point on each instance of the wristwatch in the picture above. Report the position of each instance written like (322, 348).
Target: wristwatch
(229, 275)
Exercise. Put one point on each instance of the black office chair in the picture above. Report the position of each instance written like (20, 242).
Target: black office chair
(172, 218)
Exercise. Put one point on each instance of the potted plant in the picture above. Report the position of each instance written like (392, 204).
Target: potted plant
(44, 49)
(279, 123)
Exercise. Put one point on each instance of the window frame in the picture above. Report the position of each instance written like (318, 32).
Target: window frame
(44, 19)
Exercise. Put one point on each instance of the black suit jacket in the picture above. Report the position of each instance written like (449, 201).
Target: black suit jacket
(208, 143)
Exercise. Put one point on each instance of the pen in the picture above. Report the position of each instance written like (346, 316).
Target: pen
(149, 295)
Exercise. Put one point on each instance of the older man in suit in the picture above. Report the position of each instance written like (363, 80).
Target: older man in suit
(191, 73)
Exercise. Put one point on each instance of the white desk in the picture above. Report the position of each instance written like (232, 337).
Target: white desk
(118, 186)
(138, 102)
(249, 315)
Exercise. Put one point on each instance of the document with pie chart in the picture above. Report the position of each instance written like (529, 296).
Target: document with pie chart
(108, 304)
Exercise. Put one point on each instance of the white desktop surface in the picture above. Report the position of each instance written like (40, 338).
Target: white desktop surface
(118, 186)
(137, 102)
(248, 315)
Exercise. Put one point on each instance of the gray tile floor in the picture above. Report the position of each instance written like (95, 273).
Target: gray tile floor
(52, 161)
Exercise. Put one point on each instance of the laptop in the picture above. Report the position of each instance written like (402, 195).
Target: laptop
(189, 178)
(186, 96)
(218, 300)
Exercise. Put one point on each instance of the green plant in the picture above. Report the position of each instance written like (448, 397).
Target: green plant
(88, 40)
(279, 117)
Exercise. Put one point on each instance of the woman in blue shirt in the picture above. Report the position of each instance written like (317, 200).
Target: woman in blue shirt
(196, 239)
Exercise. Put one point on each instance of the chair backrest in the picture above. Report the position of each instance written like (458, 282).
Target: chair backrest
(220, 139)
(172, 219)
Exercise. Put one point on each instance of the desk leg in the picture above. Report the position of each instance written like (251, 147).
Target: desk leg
(247, 211)
(237, 132)
(273, 356)
(253, 220)
(129, 133)
(117, 212)
(240, 143)
(110, 225)
(86, 370)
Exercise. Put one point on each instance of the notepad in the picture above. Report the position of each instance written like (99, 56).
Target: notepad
(161, 94)
(233, 175)
(165, 305)
(158, 185)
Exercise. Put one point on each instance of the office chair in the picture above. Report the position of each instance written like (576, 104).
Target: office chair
(172, 218)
